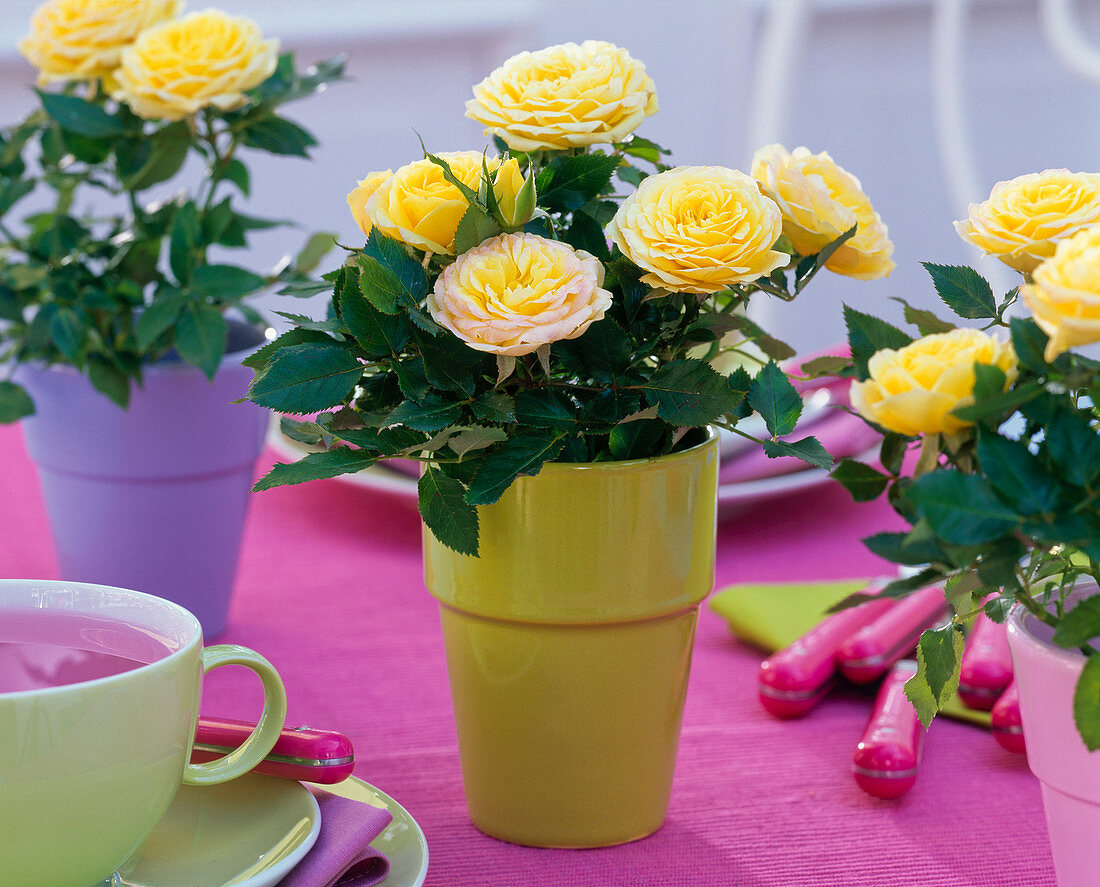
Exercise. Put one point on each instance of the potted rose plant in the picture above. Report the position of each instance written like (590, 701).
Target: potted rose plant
(555, 389)
(1003, 494)
(121, 336)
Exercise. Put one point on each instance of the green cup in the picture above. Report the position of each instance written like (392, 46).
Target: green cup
(99, 696)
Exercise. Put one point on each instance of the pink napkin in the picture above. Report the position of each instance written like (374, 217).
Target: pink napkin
(343, 855)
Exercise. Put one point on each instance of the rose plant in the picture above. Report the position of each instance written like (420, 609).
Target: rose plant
(1002, 495)
(115, 272)
(488, 325)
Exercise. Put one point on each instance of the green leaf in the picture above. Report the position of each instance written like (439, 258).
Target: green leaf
(1017, 475)
(774, 397)
(901, 548)
(1086, 703)
(277, 135)
(473, 228)
(13, 191)
(475, 437)
(259, 358)
(963, 290)
(523, 453)
(15, 403)
(689, 393)
(868, 334)
(168, 151)
(809, 266)
(545, 408)
(577, 180)
(316, 466)
(77, 115)
(997, 406)
(378, 334)
(1080, 624)
(184, 240)
(961, 508)
(225, 283)
(306, 378)
(1074, 447)
(892, 452)
(1029, 342)
(160, 316)
(826, 365)
(939, 653)
(236, 172)
(108, 379)
(201, 336)
(445, 512)
(432, 414)
(863, 482)
(637, 439)
(585, 233)
(69, 332)
(808, 449)
(317, 247)
(925, 321)
(647, 150)
(309, 433)
(494, 406)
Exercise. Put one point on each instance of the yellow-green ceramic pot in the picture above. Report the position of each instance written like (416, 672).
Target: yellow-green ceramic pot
(569, 642)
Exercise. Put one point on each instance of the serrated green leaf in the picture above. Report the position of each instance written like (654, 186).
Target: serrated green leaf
(15, 403)
(474, 227)
(1029, 342)
(961, 508)
(545, 408)
(999, 405)
(431, 414)
(201, 337)
(1080, 624)
(442, 505)
(774, 397)
(277, 135)
(808, 449)
(826, 365)
(306, 378)
(868, 334)
(900, 548)
(378, 334)
(963, 290)
(1086, 703)
(78, 115)
(939, 653)
(689, 393)
(475, 437)
(637, 439)
(316, 466)
(523, 453)
(494, 406)
(863, 482)
(577, 179)
(1017, 475)
(225, 283)
(258, 359)
(925, 321)
(308, 433)
(1074, 447)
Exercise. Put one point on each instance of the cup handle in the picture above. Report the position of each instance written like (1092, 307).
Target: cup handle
(263, 738)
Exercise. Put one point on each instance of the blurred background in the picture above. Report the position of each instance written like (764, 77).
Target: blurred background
(928, 102)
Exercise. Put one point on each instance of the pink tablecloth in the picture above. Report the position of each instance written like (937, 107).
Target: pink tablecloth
(330, 589)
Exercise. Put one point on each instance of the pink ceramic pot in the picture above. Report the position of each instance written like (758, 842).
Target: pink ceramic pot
(1046, 676)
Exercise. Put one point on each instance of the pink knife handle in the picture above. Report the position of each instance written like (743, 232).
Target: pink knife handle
(792, 681)
(300, 752)
(986, 668)
(1006, 723)
(870, 652)
(887, 757)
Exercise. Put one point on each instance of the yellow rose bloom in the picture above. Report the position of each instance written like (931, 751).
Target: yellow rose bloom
(914, 389)
(357, 199)
(698, 229)
(516, 292)
(206, 58)
(1065, 298)
(564, 96)
(1024, 218)
(84, 39)
(820, 200)
(418, 206)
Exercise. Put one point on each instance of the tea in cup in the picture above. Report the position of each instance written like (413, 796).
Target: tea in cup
(99, 697)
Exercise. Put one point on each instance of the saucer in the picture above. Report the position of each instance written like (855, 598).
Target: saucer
(402, 840)
(249, 832)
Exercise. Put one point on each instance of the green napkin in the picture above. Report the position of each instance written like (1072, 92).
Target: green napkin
(773, 615)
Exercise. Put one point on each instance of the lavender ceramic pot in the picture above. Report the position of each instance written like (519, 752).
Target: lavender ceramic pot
(1069, 773)
(153, 497)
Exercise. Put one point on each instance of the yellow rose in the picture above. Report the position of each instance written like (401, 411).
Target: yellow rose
(698, 229)
(914, 389)
(564, 96)
(206, 58)
(516, 292)
(820, 200)
(1065, 298)
(84, 39)
(418, 206)
(357, 199)
(1024, 218)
